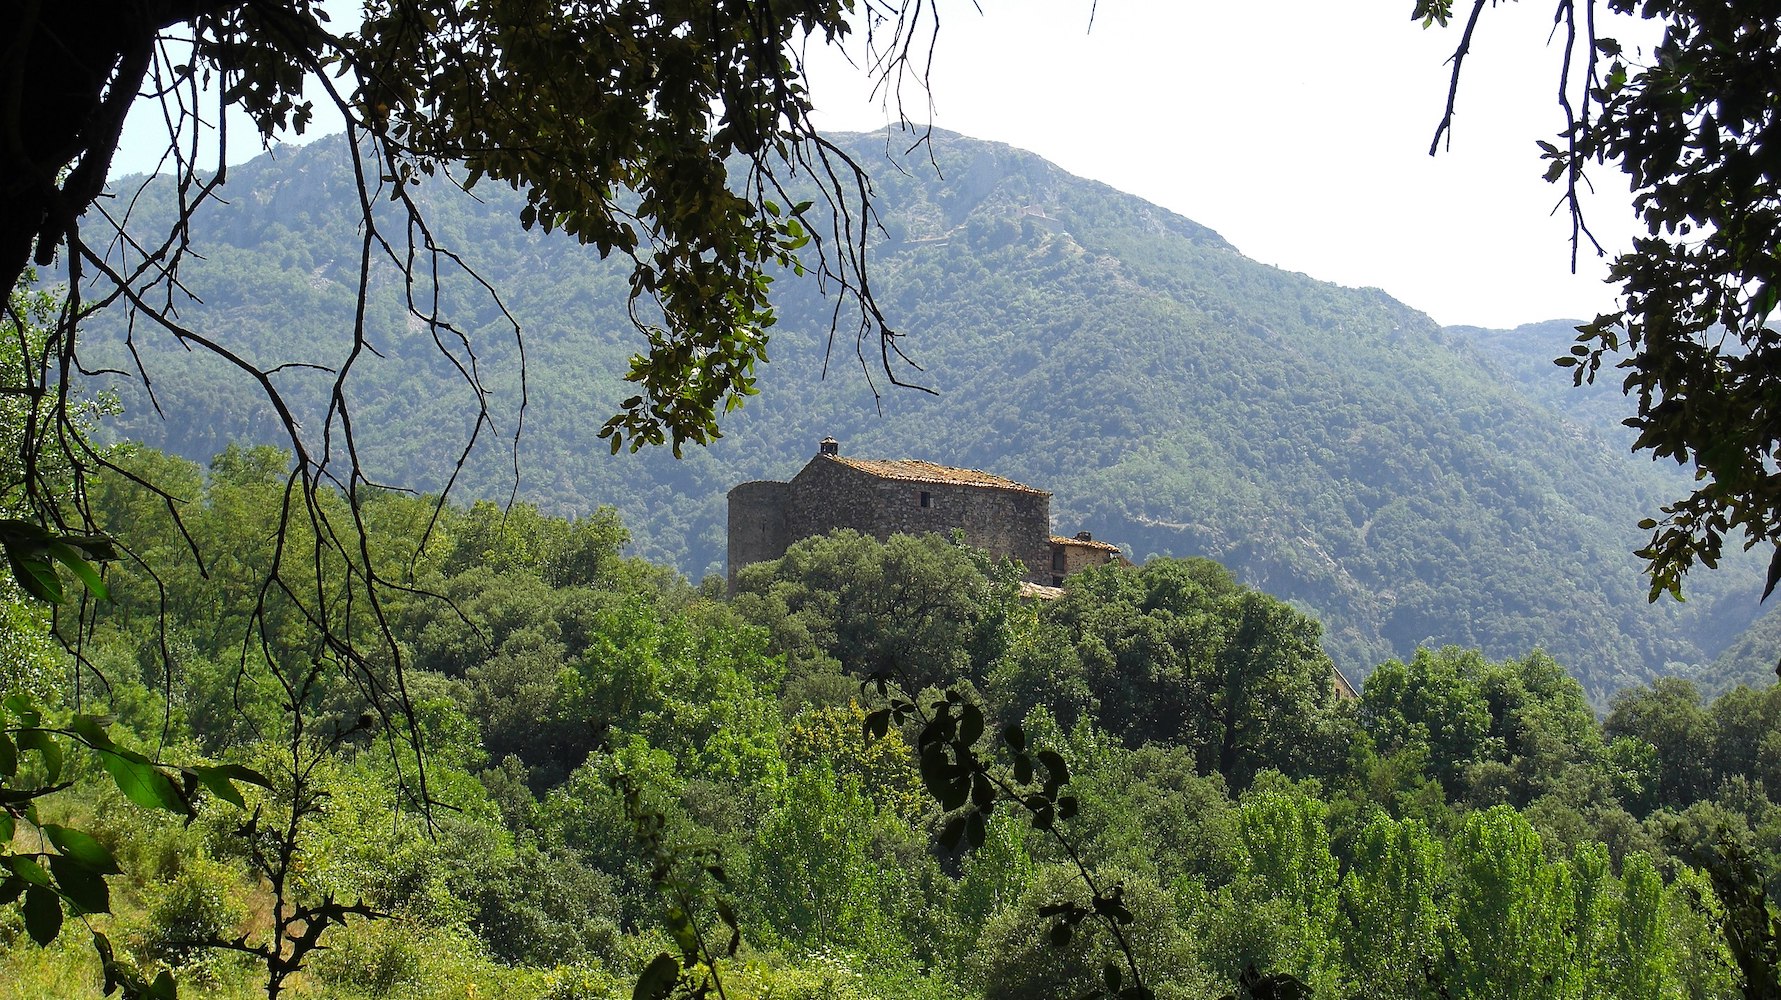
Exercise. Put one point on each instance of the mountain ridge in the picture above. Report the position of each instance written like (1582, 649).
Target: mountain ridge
(1330, 444)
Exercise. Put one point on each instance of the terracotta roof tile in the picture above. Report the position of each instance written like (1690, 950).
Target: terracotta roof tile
(916, 471)
(1100, 546)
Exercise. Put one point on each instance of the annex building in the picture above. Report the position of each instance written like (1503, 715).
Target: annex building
(906, 496)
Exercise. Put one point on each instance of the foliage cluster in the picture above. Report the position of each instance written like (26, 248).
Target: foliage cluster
(1464, 827)
(1688, 121)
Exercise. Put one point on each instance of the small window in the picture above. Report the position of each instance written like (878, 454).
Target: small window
(927, 499)
(1057, 581)
(1057, 558)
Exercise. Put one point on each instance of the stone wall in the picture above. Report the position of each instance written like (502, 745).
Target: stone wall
(829, 494)
(758, 524)
(1073, 555)
(826, 495)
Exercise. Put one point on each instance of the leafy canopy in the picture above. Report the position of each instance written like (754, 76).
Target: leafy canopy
(620, 121)
(662, 132)
(1692, 124)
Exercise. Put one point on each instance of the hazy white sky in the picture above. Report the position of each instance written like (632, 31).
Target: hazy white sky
(1298, 130)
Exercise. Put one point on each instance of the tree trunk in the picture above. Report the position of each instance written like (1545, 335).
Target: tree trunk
(68, 76)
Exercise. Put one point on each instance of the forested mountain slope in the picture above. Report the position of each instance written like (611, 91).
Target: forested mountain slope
(1331, 445)
(1598, 409)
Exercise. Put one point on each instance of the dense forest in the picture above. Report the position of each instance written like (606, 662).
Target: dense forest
(1405, 484)
(604, 763)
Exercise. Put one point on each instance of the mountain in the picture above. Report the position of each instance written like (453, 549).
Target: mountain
(1404, 483)
(1526, 355)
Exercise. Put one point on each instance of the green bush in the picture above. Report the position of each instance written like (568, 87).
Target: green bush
(381, 958)
(199, 905)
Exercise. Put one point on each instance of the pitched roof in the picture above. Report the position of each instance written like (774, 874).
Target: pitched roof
(1085, 543)
(916, 471)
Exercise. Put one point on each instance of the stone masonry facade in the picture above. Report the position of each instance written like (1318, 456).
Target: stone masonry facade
(907, 496)
(911, 497)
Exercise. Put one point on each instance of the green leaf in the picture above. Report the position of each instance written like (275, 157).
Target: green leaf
(82, 847)
(983, 793)
(956, 791)
(970, 725)
(658, 978)
(728, 916)
(936, 768)
(1110, 975)
(142, 783)
(80, 885)
(877, 724)
(9, 757)
(92, 729)
(218, 784)
(43, 914)
(22, 534)
(680, 926)
(5, 828)
(10, 888)
(35, 575)
(65, 554)
(46, 746)
(163, 988)
(107, 962)
(1055, 766)
(1015, 737)
(26, 868)
(21, 709)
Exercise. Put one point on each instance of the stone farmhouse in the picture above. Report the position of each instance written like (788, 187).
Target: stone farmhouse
(907, 496)
(911, 497)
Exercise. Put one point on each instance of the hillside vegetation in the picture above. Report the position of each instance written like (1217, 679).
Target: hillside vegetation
(1402, 483)
(601, 740)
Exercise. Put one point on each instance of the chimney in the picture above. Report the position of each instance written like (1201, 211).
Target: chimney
(1083, 536)
(829, 446)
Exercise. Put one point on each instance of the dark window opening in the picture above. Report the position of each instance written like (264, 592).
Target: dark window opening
(1057, 581)
(927, 499)
(1057, 559)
